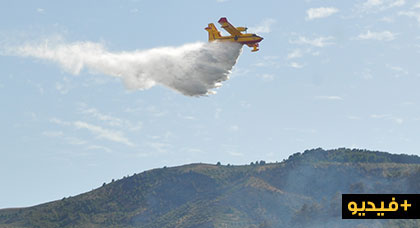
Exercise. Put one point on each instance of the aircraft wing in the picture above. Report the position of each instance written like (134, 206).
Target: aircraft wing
(228, 27)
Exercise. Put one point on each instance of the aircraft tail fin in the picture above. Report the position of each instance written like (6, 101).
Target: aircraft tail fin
(214, 34)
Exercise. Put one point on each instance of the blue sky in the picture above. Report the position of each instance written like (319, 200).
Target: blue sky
(328, 74)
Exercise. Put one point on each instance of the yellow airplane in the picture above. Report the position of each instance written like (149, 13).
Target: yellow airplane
(236, 34)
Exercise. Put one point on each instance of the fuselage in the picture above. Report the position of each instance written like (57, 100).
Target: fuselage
(247, 38)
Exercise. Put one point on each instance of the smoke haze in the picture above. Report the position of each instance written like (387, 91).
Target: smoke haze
(192, 69)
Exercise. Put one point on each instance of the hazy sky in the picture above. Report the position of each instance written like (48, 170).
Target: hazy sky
(328, 74)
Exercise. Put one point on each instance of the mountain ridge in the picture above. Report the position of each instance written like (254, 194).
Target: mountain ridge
(301, 191)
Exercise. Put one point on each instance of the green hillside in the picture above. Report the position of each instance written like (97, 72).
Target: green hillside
(302, 191)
